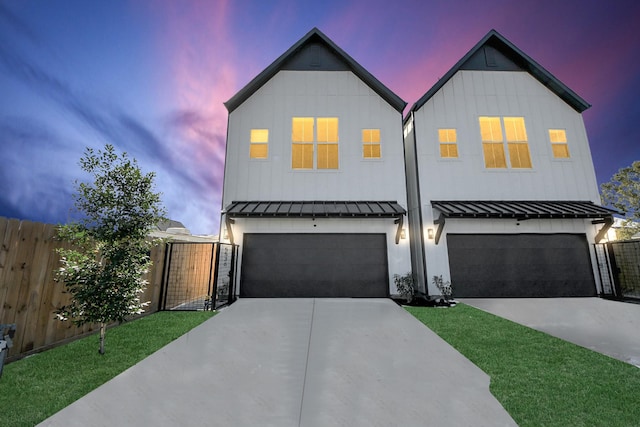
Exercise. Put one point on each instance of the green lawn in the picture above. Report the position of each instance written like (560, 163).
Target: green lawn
(539, 379)
(35, 388)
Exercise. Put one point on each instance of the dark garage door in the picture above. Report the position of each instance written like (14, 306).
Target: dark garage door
(314, 265)
(522, 265)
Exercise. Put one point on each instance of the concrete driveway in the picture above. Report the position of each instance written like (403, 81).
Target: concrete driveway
(298, 362)
(608, 327)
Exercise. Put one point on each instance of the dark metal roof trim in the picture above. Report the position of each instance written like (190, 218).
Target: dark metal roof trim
(520, 58)
(315, 35)
(521, 209)
(315, 209)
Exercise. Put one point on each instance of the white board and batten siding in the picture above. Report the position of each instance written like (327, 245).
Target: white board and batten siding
(458, 105)
(316, 94)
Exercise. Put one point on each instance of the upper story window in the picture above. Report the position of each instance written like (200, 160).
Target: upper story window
(558, 138)
(448, 139)
(371, 143)
(259, 144)
(305, 142)
(491, 131)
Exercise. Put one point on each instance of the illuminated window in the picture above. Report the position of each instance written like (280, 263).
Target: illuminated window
(327, 142)
(371, 143)
(558, 138)
(448, 139)
(326, 139)
(493, 142)
(517, 142)
(302, 143)
(259, 147)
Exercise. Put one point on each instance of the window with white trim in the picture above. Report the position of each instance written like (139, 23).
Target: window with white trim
(305, 141)
(371, 143)
(559, 146)
(259, 144)
(491, 132)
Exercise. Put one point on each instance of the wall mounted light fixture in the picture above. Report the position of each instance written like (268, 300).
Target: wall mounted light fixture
(430, 233)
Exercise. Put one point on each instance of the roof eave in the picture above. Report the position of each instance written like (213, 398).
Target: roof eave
(533, 68)
(257, 82)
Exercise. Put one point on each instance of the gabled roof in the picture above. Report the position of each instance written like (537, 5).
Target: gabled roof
(494, 52)
(315, 51)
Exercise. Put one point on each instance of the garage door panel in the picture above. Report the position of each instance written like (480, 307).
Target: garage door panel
(522, 265)
(314, 265)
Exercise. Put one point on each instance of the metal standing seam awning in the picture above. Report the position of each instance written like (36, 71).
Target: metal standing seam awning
(523, 210)
(315, 209)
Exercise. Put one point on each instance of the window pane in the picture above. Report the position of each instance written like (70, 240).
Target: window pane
(560, 151)
(557, 135)
(259, 151)
(490, 129)
(494, 155)
(515, 130)
(302, 129)
(327, 129)
(327, 156)
(375, 151)
(302, 156)
(371, 151)
(371, 135)
(259, 135)
(447, 135)
(519, 155)
(449, 150)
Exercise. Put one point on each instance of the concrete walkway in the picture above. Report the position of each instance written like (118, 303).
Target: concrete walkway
(608, 327)
(298, 362)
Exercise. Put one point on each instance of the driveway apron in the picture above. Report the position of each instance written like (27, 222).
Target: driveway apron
(297, 362)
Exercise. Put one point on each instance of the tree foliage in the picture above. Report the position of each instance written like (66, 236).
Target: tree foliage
(623, 193)
(109, 253)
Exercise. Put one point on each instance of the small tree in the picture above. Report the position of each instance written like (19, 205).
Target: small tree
(623, 193)
(109, 254)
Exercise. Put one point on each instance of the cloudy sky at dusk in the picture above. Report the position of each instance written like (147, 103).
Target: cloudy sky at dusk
(151, 76)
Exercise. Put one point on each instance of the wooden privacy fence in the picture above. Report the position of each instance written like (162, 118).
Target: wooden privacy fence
(29, 296)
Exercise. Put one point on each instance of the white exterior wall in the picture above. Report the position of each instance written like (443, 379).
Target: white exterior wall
(458, 104)
(317, 94)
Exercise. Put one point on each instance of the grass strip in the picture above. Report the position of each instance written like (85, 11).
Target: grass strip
(33, 389)
(539, 379)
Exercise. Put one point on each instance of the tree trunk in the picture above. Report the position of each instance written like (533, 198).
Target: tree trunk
(102, 330)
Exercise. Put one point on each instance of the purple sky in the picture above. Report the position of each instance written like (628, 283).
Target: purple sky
(151, 76)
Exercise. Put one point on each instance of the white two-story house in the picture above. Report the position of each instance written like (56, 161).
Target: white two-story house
(314, 184)
(502, 193)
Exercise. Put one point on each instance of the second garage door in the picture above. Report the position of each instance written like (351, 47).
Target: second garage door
(520, 265)
(314, 265)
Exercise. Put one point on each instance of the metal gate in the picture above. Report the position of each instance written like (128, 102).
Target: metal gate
(619, 268)
(198, 276)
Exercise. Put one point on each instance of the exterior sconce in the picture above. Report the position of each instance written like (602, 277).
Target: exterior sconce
(430, 233)
(403, 233)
